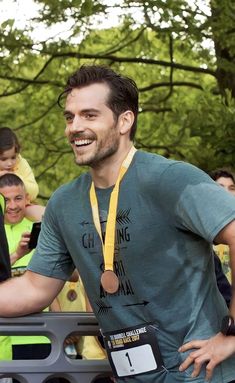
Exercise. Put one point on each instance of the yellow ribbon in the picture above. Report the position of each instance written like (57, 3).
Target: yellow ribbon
(108, 246)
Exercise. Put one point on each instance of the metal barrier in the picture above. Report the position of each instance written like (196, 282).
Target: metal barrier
(56, 326)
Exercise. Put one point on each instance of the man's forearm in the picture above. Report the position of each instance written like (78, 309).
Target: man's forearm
(27, 294)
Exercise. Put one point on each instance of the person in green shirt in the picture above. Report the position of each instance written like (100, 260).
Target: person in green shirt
(18, 228)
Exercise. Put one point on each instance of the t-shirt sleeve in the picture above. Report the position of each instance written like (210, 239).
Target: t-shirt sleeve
(195, 201)
(51, 257)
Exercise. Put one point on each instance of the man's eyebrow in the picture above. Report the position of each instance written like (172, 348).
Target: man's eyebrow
(66, 112)
(87, 110)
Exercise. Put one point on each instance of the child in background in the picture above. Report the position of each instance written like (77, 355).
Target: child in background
(12, 162)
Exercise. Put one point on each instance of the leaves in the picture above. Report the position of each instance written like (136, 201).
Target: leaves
(181, 56)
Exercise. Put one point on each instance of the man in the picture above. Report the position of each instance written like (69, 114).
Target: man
(18, 230)
(224, 179)
(154, 290)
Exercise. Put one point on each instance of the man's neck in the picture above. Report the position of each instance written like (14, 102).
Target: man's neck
(106, 174)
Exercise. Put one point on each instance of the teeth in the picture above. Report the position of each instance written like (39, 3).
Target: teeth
(82, 142)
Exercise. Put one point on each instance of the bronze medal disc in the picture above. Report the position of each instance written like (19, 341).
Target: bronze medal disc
(71, 295)
(109, 281)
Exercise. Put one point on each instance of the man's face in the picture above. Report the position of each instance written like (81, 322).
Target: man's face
(16, 201)
(91, 127)
(227, 183)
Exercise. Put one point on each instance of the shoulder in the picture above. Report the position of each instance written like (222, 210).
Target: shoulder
(157, 170)
(158, 165)
(68, 195)
(21, 162)
(80, 184)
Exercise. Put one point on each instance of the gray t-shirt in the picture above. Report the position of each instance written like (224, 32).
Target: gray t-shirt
(168, 214)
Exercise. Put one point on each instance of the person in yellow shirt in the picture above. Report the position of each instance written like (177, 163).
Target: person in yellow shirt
(73, 298)
(12, 162)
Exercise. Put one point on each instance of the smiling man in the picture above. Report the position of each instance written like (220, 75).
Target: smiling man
(18, 229)
(16, 199)
(139, 228)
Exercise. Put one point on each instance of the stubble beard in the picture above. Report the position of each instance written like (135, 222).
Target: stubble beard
(97, 158)
(103, 151)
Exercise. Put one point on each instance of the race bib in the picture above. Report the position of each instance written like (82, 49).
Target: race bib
(133, 351)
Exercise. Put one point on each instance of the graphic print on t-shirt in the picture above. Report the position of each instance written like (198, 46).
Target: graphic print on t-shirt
(122, 238)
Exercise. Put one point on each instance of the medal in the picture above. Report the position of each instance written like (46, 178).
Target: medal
(71, 295)
(109, 281)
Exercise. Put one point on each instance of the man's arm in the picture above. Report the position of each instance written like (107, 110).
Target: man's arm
(27, 294)
(218, 348)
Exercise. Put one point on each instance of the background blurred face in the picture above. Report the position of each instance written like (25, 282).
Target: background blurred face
(227, 183)
(16, 201)
(91, 127)
(8, 159)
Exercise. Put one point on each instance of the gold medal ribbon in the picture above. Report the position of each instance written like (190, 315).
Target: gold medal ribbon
(108, 245)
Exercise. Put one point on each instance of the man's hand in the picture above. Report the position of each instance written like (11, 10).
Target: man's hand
(211, 351)
(22, 248)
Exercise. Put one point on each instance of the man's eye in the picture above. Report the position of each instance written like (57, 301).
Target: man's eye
(68, 118)
(89, 116)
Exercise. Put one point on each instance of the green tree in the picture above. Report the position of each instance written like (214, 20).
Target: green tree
(181, 56)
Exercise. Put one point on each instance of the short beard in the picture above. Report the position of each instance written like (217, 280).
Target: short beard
(102, 152)
(103, 156)
(99, 157)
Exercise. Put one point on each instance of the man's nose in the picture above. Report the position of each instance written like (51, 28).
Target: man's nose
(11, 205)
(77, 125)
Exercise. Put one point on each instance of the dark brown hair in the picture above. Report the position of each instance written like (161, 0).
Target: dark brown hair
(8, 140)
(221, 173)
(10, 179)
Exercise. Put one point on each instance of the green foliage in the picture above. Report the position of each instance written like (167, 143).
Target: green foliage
(54, 11)
(187, 89)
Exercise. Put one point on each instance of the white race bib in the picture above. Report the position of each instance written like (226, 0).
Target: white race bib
(133, 350)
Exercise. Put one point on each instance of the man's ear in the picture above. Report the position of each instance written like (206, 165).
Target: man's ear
(126, 120)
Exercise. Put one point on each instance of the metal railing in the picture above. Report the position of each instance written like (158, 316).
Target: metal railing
(56, 326)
